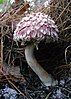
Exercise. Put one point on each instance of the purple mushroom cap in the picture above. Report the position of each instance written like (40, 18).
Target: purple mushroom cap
(36, 27)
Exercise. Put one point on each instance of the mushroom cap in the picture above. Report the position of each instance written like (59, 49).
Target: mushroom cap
(36, 27)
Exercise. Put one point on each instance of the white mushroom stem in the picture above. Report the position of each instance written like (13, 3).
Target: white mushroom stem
(35, 66)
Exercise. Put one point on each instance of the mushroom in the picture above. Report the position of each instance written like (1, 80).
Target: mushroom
(32, 29)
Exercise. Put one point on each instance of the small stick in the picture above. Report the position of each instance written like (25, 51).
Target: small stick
(63, 10)
(12, 84)
(1, 49)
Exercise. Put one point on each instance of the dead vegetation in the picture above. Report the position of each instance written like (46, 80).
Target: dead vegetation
(13, 55)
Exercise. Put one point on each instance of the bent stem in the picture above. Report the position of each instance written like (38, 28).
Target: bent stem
(35, 66)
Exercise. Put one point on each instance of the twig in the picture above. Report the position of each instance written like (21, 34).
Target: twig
(1, 48)
(63, 10)
(10, 52)
(47, 97)
(67, 28)
(11, 16)
(66, 50)
(12, 84)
